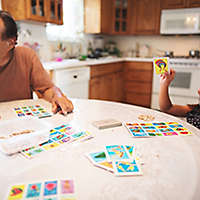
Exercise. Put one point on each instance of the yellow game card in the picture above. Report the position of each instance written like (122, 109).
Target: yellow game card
(161, 65)
(16, 192)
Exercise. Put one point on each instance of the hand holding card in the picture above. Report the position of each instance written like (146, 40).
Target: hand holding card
(161, 65)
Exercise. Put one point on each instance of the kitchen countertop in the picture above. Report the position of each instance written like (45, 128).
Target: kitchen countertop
(170, 164)
(71, 63)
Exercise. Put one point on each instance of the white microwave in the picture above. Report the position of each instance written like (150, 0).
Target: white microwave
(180, 21)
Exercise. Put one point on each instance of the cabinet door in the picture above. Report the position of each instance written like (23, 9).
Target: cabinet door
(146, 17)
(106, 82)
(55, 11)
(107, 16)
(173, 4)
(193, 3)
(37, 10)
(120, 16)
(138, 83)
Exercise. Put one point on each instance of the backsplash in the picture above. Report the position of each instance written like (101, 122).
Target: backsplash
(180, 45)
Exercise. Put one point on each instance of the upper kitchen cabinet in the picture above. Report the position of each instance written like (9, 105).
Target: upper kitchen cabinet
(35, 10)
(145, 18)
(174, 4)
(107, 16)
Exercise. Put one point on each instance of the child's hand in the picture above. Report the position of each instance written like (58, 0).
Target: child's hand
(166, 78)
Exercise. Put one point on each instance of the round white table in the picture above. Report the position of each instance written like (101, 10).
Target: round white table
(170, 164)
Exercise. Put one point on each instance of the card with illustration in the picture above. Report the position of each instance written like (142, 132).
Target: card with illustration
(126, 168)
(117, 153)
(161, 65)
(156, 129)
(35, 111)
(16, 192)
(99, 159)
(60, 135)
(51, 189)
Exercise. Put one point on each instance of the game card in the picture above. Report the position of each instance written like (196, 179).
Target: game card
(99, 159)
(161, 65)
(33, 190)
(35, 111)
(117, 153)
(16, 192)
(126, 168)
(156, 129)
(62, 134)
(67, 186)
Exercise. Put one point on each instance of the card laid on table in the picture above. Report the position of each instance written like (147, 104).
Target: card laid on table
(118, 152)
(126, 168)
(99, 159)
(156, 129)
(161, 65)
(34, 110)
(46, 190)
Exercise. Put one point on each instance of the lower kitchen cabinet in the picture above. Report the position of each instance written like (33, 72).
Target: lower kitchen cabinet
(106, 82)
(138, 83)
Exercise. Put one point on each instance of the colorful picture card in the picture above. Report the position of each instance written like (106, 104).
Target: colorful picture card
(46, 190)
(161, 65)
(60, 135)
(99, 159)
(35, 111)
(119, 152)
(126, 168)
(118, 164)
(156, 129)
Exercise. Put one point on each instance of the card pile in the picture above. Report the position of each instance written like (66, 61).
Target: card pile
(35, 110)
(119, 159)
(156, 129)
(48, 190)
(59, 135)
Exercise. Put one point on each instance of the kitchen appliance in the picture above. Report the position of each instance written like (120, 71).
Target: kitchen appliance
(180, 21)
(183, 89)
(194, 53)
(74, 82)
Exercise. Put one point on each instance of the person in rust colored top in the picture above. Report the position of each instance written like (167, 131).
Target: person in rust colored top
(21, 71)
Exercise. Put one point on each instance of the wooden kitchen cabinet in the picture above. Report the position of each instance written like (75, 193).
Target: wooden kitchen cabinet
(138, 83)
(107, 16)
(35, 10)
(106, 82)
(145, 19)
(174, 4)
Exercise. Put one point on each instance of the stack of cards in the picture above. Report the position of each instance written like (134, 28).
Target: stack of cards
(59, 135)
(156, 129)
(120, 159)
(48, 190)
(36, 111)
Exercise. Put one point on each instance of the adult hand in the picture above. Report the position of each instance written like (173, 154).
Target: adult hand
(62, 105)
(166, 78)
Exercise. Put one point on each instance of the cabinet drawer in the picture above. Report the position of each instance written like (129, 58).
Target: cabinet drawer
(134, 75)
(100, 70)
(139, 66)
(138, 87)
(138, 99)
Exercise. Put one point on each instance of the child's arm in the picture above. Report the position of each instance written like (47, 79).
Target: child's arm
(164, 99)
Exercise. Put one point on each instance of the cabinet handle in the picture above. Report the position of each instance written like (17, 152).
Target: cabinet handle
(75, 76)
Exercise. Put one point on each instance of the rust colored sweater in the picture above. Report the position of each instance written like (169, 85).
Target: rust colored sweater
(23, 75)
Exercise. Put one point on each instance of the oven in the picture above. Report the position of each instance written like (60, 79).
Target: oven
(183, 89)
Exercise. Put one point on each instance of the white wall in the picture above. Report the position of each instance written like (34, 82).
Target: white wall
(35, 32)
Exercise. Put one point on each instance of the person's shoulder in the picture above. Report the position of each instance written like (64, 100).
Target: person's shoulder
(24, 50)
